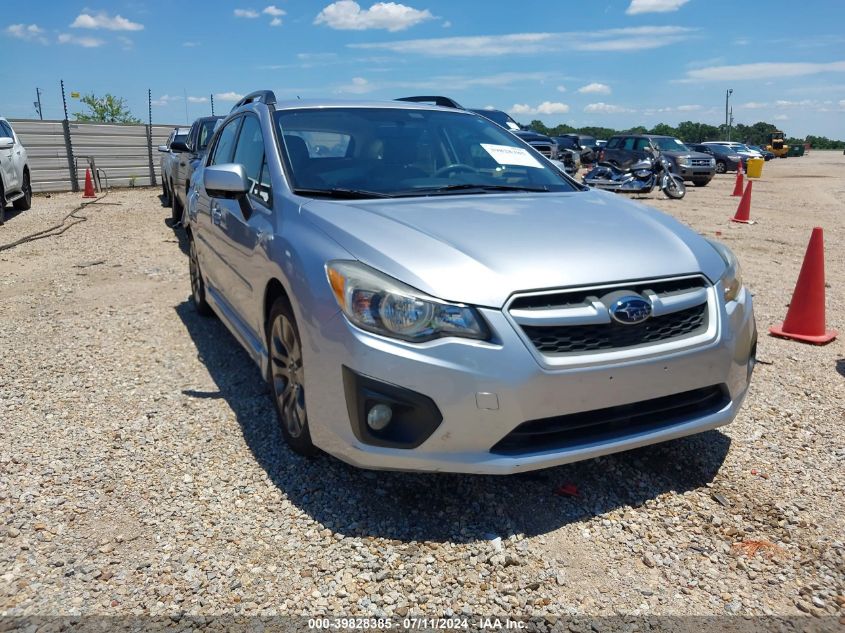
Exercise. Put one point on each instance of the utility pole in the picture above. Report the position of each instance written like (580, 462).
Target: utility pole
(730, 123)
(37, 103)
(185, 92)
(728, 94)
(212, 103)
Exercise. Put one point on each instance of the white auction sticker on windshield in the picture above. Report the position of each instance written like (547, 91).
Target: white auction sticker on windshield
(506, 155)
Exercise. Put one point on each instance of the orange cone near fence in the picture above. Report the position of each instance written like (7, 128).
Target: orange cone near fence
(89, 186)
(805, 319)
(743, 211)
(738, 185)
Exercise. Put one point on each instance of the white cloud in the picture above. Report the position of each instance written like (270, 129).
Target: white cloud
(274, 11)
(197, 99)
(689, 108)
(614, 40)
(102, 20)
(547, 107)
(228, 96)
(753, 105)
(605, 108)
(276, 22)
(190, 44)
(561, 89)
(358, 86)
(246, 13)
(164, 100)
(595, 89)
(28, 32)
(654, 6)
(842, 103)
(781, 117)
(763, 70)
(347, 15)
(85, 42)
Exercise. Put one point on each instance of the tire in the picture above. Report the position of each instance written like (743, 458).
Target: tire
(2, 205)
(721, 167)
(286, 377)
(25, 203)
(673, 186)
(701, 182)
(197, 283)
(176, 208)
(166, 193)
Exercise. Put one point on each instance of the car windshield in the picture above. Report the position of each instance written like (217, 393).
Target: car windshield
(669, 145)
(206, 132)
(588, 141)
(180, 138)
(385, 152)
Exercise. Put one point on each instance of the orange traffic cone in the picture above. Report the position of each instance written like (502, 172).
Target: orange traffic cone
(805, 319)
(740, 169)
(738, 185)
(89, 186)
(743, 211)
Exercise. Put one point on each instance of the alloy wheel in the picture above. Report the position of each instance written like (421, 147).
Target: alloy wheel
(286, 361)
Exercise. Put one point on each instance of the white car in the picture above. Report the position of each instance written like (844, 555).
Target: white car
(15, 183)
(739, 148)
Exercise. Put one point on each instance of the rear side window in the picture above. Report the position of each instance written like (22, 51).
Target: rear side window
(641, 144)
(225, 147)
(614, 143)
(250, 154)
(629, 143)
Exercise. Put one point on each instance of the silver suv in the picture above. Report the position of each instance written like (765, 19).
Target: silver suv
(15, 182)
(425, 291)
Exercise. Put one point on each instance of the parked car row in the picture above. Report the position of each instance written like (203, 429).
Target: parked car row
(181, 154)
(424, 291)
(624, 150)
(15, 181)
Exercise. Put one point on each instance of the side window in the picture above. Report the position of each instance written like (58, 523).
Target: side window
(641, 144)
(250, 153)
(629, 143)
(614, 143)
(225, 146)
(5, 130)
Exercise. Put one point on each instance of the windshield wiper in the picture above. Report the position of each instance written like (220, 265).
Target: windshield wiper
(481, 188)
(337, 192)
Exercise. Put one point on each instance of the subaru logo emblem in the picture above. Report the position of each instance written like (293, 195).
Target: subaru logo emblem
(630, 310)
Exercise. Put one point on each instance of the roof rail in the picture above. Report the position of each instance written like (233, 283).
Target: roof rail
(445, 102)
(259, 96)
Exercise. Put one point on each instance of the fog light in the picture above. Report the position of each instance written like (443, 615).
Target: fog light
(379, 417)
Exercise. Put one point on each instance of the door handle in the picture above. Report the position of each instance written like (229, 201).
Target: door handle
(216, 214)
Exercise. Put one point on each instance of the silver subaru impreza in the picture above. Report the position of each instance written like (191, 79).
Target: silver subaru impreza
(424, 291)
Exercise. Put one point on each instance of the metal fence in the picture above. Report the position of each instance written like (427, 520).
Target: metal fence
(58, 152)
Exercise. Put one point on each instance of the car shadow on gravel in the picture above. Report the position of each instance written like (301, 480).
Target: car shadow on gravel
(439, 507)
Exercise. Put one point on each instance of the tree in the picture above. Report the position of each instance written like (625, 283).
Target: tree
(109, 109)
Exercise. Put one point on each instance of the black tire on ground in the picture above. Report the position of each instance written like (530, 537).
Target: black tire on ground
(285, 375)
(197, 283)
(25, 203)
(2, 204)
(700, 182)
(175, 207)
(165, 193)
(721, 167)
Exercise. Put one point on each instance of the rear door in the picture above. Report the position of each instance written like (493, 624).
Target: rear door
(640, 145)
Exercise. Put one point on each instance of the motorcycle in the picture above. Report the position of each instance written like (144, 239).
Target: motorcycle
(642, 177)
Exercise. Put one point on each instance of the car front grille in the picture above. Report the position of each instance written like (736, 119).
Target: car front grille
(591, 338)
(574, 322)
(602, 425)
(543, 148)
(701, 162)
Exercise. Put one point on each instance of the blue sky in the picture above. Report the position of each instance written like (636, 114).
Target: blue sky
(617, 63)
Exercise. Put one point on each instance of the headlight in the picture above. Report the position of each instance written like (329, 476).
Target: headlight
(683, 161)
(380, 304)
(712, 162)
(732, 277)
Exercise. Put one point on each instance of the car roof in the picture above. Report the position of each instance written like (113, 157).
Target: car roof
(299, 104)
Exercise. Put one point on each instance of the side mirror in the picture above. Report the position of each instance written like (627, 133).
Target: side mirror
(6, 142)
(162, 148)
(178, 146)
(228, 181)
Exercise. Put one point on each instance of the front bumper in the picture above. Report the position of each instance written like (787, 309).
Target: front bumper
(695, 173)
(459, 376)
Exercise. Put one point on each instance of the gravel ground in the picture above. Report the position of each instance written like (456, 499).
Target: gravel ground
(142, 471)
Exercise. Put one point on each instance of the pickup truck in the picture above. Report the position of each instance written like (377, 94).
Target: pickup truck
(188, 153)
(624, 150)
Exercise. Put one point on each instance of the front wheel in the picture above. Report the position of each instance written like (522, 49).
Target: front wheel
(287, 377)
(176, 208)
(721, 167)
(700, 182)
(25, 202)
(673, 186)
(197, 283)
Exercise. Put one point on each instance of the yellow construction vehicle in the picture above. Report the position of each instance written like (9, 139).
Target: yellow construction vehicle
(776, 145)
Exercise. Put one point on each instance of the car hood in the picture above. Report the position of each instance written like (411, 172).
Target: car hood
(690, 154)
(528, 136)
(480, 249)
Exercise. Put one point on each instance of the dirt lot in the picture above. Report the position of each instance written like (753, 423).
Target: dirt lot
(142, 472)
